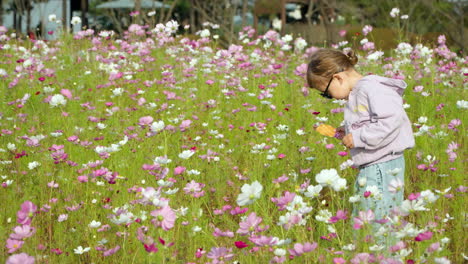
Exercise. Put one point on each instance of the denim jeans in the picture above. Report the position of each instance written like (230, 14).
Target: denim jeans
(380, 188)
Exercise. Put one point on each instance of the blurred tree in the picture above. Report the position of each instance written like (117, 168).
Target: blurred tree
(220, 12)
(64, 15)
(1, 10)
(424, 16)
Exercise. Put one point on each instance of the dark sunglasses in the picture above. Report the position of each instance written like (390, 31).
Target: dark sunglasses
(325, 93)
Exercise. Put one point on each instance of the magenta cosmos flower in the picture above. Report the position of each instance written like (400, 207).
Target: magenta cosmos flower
(26, 213)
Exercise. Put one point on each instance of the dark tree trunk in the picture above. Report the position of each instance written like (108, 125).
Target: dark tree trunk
(64, 15)
(15, 20)
(84, 12)
(1, 11)
(28, 19)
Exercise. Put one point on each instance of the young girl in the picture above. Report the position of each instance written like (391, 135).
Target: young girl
(377, 129)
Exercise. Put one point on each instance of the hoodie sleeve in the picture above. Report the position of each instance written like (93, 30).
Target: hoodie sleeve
(385, 108)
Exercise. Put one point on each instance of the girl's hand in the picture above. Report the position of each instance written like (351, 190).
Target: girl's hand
(348, 141)
(340, 132)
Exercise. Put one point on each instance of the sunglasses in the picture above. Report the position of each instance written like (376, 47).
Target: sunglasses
(325, 93)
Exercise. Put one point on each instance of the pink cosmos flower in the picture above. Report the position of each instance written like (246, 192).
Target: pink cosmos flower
(13, 245)
(219, 233)
(453, 124)
(164, 218)
(363, 219)
(250, 225)
(340, 215)
(423, 236)
(145, 121)
(150, 248)
(67, 93)
(24, 216)
(220, 254)
(238, 210)
(284, 200)
(262, 241)
(111, 251)
(21, 258)
(300, 249)
(342, 33)
(200, 252)
(179, 170)
(363, 258)
(433, 247)
(184, 125)
(339, 261)
(21, 232)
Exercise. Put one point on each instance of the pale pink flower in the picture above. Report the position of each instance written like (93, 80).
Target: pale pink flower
(220, 254)
(21, 232)
(13, 245)
(21, 258)
(250, 224)
(24, 216)
(300, 249)
(164, 218)
(145, 121)
(363, 219)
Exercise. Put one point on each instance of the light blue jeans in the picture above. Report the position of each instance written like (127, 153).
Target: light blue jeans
(380, 188)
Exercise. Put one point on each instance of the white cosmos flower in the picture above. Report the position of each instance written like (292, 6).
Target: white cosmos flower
(375, 55)
(442, 260)
(327, 177)
(323, 216)
(75, 20)
(80, 250)
(186, 154)
(408, 206)
(33, 165)
(339, 185)
(52, 18)
(280, 252)
(162, 160)
(313, 191)
(395, 12)
(376, 247)
(205, 33)
(462, 104)
(250, 193)
(395, 185)
(57, 100)
(94, 224)
(300, 44)
(157, 126)
(428, 196)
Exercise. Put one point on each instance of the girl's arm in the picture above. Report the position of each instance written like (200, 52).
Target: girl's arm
(386, 114)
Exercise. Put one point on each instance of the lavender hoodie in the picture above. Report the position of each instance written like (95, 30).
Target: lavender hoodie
(374, 115)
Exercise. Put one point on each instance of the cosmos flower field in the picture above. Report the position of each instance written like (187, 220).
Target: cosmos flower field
(160, 147)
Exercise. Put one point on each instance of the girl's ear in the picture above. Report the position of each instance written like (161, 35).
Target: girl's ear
(338, 77)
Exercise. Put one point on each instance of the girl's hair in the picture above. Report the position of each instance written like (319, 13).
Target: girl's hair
(326, 62)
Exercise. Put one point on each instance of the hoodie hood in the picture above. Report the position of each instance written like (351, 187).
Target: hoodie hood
(396, 84)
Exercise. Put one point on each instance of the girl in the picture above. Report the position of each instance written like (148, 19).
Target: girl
(377, 129)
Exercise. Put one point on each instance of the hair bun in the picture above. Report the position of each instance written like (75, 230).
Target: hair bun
(351, 55)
